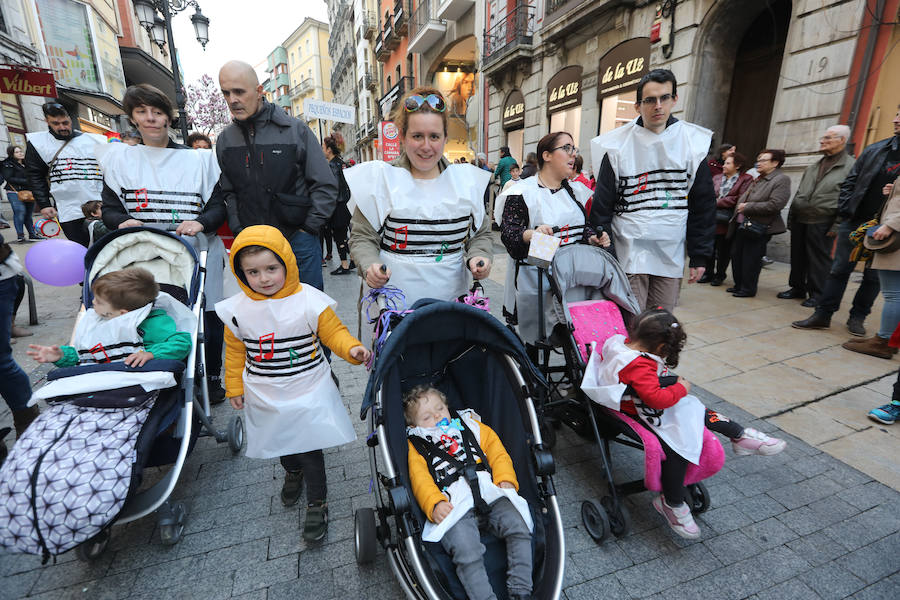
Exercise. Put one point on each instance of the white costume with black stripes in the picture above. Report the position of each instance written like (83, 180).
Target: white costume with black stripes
(558, 209)
(654, 175)
(75, 175)
(291, 403)
(99, 340)
(424, 223)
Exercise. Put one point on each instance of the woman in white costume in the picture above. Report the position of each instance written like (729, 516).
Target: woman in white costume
(548, 203)
(169, 186)
(419, 222)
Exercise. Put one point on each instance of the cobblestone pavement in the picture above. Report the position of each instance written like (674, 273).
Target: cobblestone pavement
(798, 525)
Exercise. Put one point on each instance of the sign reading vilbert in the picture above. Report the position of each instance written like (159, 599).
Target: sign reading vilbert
(564, 89)
(328, 111)
(514, 111)
(27, 81)
(623, 66)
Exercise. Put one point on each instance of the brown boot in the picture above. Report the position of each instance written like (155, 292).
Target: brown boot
(23, 418)
(873, 346)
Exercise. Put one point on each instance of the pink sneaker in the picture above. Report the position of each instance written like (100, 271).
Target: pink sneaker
(679, 518)
(756, 442)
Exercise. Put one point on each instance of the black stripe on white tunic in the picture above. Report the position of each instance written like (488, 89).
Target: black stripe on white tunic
(570, 234)
(104, 354)
(662, 189)
(424, 237)
(282, 357)
(161, 206)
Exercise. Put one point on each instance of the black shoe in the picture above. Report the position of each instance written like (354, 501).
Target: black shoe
(705, 279)
(717, 282)
(855, 326)
(731, 290)
(818, 320)
(791, 294)
(766, 261)
(743, 294)
(293, 486)
(341, 271)
(215, 390)
(809, 303)
(316, 525)
(352, 265)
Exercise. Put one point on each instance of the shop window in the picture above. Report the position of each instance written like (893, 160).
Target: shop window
(515, 139)
(567, 120)
(617, 110)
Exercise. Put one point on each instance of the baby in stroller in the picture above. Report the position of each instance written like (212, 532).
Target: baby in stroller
(122, 324)
(462, 460)
(631, 373)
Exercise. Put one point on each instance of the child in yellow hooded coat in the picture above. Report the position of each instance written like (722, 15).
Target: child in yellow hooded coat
(275, 369)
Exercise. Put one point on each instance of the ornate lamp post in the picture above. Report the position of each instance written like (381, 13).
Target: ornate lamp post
(160, 31)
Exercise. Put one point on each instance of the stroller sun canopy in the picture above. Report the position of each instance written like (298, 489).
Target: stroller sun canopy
(436, 321)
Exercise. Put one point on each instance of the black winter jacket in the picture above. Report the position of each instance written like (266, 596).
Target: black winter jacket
(14, 173)
(36, 170)
(857, 183)
(701, 221)
(269, 160)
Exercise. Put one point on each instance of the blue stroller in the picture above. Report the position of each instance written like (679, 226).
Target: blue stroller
(79, 467)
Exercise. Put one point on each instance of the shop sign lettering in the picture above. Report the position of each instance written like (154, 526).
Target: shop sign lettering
(564, 89)
(623, 66)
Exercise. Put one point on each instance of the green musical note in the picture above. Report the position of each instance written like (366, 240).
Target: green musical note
(175, 217)
(444, 246)
(294, 354)
(666, 203)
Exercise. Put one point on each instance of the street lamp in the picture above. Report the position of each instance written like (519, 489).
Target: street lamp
(160, 31)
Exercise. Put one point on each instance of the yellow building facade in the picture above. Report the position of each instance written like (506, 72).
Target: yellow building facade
(309, 66)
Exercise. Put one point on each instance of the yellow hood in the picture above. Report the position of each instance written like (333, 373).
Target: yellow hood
(267, 237)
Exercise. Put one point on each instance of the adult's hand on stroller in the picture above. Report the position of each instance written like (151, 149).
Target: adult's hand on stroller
(696, 274)
(49, 212)
(480, 267)
(237, 402)
(685, 383)
(360, 353)
(189, 228)
(130, 223)
(602, 241)
(43, 354)
(441, 510)
(377, 275)
(138, 359)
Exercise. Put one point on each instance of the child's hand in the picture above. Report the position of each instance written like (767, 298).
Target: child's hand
(685, 383)
(237, 402)
(506, 485)
(360, 353)
(43, 354)
(441, 510)
(138, 359)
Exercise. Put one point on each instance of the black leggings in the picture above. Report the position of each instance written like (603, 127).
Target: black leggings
(675, 466)
(215, 339)
(76, 231)
(312, 464)
(340, 221)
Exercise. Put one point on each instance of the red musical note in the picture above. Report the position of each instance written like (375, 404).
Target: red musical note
(68, 164)
(565, 229)
(452, 445)
(405, 231)
(269, 337)
(99, 348)
(641, 188)
(137, 199)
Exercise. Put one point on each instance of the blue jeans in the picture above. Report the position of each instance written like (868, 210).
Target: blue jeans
(836, 283)
(308, 253)
(890, 314)
(14, 384)
(21, 214)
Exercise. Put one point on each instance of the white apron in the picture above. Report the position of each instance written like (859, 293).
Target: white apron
(424, 224)
(459, 492)
(75, 177)
(544, 207)
(655, 173)
(680, 426)
(162, 187)
(291, 403)
(99, 340)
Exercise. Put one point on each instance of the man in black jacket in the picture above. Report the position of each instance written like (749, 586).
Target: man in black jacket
(273, 170)
(861, 199)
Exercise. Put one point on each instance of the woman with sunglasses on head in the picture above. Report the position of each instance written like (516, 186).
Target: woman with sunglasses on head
(419, 222)
(547, 203)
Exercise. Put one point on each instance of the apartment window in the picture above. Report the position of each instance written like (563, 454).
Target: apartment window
(307, 46)
(292, 57)
(388, 86)
(3, 27)
(398, 73)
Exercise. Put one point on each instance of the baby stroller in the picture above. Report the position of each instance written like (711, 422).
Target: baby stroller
(478, 364)
(79, 467)
(590, 295)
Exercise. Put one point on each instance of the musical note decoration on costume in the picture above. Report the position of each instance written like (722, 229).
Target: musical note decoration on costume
(451, 445)
(175, 216)
(137, 198)
(294, 354)
(565, 229)
(668, 197)
(270, 338)
(99, 349)
(402, 245)
(642, 184)
(444, 246)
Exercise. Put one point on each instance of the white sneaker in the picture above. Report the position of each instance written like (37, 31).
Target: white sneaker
(679, 518)
(756, 442)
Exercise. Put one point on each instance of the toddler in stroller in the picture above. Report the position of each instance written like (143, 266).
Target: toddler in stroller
(461, 477)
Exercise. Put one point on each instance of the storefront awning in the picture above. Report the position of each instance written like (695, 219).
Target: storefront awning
(140, 67)
(103, 103)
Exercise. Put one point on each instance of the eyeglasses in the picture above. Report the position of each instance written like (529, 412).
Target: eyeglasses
(568, 149)
(415, 102)
(652, 100)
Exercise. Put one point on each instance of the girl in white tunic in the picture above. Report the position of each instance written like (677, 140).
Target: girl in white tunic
(624, 376)
(548, 203)
(420, 217)
(275, 369)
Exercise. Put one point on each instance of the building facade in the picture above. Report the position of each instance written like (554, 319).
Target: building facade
(309, 67)
(365, 18)
(342, 47)
(20, 113)
(142, 60)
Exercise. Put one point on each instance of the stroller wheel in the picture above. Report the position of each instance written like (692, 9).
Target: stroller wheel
(93, 548)
(697, 497)
(171, 523)
(596, 523)
(235, 434)
(619, 519)
(365, 538)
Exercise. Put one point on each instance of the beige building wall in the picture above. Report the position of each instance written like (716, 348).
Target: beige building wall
(309, 66)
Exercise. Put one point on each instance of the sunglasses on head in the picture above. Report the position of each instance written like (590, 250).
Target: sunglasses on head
(415, 102)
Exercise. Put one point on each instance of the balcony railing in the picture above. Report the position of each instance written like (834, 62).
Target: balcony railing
(517, 29)
(368, 24)
(367, 81)
(381, 51)
(425, 29)
(390, 99)
(401, 17)
(302, 87)
(391, 39)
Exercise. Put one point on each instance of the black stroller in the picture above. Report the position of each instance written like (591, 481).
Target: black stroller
(478, 364)
(110, 436)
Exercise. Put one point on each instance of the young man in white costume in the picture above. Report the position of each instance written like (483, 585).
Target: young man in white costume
(61, 164)
(655, 193)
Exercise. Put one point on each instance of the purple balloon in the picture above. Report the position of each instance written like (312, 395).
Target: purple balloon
(56, 262)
